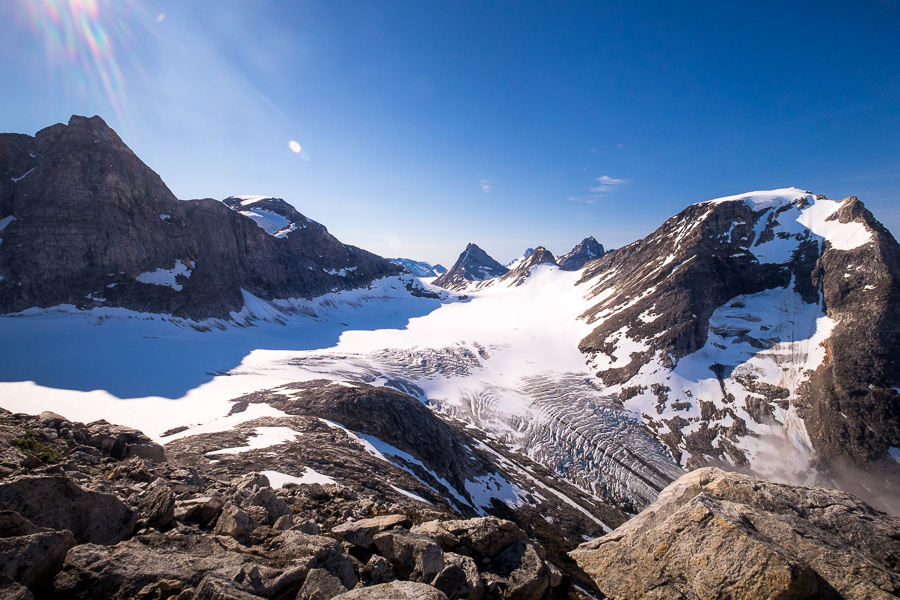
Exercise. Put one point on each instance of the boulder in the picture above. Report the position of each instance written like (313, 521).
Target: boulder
(235, 522)
(396, 590)
(202, 510)
(377, 570)
(483, 537)
(32, 560)
(328, 554)
(713, 534)
(362, 533)
(320, 585)
(58, 503)
(157, 504)
(11, 590)
(413, 556)
(473, 589)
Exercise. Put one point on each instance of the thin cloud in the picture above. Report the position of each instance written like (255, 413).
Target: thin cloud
(607, 184)
(486, 186)
(583, 199)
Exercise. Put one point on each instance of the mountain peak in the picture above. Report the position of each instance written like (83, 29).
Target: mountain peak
(474, 264)
(586, 250)
(538, 256)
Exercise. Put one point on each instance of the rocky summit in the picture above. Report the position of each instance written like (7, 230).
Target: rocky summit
(587, 250)
(85, 223)
(473, 264)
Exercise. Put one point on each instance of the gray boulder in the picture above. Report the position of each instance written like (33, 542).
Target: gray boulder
(362, 533)
(320, 585)
(33, 560)
(713, 534)
(202, 510)
(413, 556)
(235, 522)
(157, 504)
(58, 503)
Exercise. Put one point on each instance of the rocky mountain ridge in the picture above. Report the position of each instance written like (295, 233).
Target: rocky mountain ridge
(86, 223)
(99, 510)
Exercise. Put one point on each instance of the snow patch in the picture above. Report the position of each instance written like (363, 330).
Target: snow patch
(6, 221)
(167, 277)
(821, 219)
(894, 453)
(410, 494)
(278, 479)
(18, 179)
(262, 437)
(267, 220)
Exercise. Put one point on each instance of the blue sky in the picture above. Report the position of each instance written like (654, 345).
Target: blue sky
(427, 125)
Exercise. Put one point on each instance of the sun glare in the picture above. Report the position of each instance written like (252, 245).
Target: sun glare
(92, 36)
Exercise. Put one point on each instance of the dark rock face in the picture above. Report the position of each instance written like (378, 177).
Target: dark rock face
(518, 275)
(473, 264)
(797, 331)
(91, 225)
(587, 250)
(713, 534)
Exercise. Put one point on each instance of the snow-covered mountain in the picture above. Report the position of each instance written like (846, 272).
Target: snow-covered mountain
(419, 268)
(759, 331)
(85, 223)
(517, 261)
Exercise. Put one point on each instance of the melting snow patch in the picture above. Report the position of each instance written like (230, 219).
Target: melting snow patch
(410, 494)
(269, 221)
(341, 273)
(483, 489)
(264, 437)
(167, 277)
(6, 221)
(165, 217)
(278, 479)
(821, 219)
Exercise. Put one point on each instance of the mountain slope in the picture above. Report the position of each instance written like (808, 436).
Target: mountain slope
(759, 331)
(473, 264)
(86, 223)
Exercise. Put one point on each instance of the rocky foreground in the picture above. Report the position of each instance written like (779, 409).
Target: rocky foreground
(100, 511)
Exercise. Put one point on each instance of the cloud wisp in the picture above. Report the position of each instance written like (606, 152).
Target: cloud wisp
(607, 184)
(486, 186)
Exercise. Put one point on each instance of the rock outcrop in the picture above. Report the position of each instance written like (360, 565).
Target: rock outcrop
(473, 264)
(714, 534)
(86, 223)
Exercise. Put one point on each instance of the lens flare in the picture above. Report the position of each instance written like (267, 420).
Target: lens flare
(89, 35)
(295, 147)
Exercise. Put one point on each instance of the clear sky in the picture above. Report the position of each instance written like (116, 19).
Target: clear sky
(426, 125)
